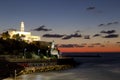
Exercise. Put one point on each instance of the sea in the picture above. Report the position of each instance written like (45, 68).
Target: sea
(91, 66)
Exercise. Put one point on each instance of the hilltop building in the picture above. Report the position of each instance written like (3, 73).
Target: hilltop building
(27, 36)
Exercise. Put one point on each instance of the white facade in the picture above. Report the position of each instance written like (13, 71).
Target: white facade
(22, 26)
(27, 35)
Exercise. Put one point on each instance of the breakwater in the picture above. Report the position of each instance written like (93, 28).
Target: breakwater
(27, 66)
(29, 70)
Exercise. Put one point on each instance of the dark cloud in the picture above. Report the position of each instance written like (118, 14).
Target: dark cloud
(75, 35)
(91, 46)
(77, 31)
(101, 25)
(53, 35)
(102, 46)
(96, 35)
(116, 22)
(96, 44)
(90, 8)
(109, 24)
(42, 28)
(84, 44)
(71, 45)
(108, 32)
(118, 42)
(81, 46)
(67, 37)
(66, 45)
(111, 36)
(87, 37)
(78, 45)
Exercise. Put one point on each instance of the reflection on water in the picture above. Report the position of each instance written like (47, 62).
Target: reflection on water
(104, 68)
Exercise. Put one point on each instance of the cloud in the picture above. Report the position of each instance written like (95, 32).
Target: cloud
(108, 32)
(116, 22)
(90, 8)
(93, 9)
(75, 35)
(118, 42)
(87, 37)
(84, 44)
(111, 36)
(102, 46)
(77, 31)
(108, 24)
(42, 28)
(96, 35)
(66, 45)
(81, 46)
(67, 37)
(96, 44)
(70, 45)
(53, 35)
(91, 46)
(101, 25)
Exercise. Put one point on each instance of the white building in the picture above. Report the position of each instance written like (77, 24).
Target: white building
(27, 36)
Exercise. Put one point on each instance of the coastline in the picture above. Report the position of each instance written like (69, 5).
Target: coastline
(32, 67)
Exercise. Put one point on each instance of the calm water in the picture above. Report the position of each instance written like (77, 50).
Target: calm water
(106, 67)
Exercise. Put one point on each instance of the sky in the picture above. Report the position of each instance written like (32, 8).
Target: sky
(82, 25)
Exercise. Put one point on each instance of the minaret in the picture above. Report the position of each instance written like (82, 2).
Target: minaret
(22, 26)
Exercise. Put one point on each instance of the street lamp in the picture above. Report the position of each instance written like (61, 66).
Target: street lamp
(24, 55)
(38, 51)
(15, 75)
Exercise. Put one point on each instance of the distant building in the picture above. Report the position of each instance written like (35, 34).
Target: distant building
(27, 36)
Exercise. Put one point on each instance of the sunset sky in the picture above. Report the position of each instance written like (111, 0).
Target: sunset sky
(94, 25)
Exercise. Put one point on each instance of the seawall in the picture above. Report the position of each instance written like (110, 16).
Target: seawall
(27, 66)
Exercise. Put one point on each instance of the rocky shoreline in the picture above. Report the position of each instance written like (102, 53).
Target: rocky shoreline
(30, 70)
(32, 66)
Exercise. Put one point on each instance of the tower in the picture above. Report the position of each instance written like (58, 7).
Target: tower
(22, 26)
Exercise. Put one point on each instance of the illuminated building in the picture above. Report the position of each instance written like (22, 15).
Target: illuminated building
(27, 36)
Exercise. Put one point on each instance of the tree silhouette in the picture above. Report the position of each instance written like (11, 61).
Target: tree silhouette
(16, 37)
(5, 35)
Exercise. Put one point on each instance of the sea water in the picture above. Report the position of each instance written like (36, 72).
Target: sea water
(106, 66)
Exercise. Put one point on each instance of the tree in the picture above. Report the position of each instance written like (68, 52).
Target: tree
(5, 35)
(16, 37)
